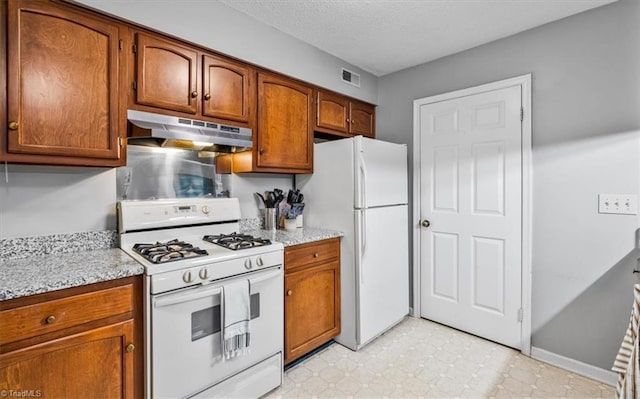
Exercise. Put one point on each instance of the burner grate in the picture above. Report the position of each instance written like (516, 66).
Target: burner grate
(162, 252)
(236, 241)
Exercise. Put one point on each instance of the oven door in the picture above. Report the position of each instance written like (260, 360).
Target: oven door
(186, 355)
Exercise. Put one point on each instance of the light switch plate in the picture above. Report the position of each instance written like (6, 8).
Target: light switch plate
(625, 204)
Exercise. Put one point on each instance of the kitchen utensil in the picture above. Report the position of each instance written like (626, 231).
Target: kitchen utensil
(262, 198)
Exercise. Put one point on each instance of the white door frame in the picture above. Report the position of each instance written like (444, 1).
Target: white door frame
(524, 82)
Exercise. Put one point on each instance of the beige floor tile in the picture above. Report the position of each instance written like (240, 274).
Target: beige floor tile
(421, 359)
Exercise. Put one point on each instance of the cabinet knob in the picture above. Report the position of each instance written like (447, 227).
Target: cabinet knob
(130, 348)
(289, 293)
(315, 255)
(194, 94)
(13, 125)
(261, 151)
(50, 320)
(207, 96)
(348, 121)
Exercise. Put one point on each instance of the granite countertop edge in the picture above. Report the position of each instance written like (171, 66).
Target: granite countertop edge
(41, 274)
(299, 236)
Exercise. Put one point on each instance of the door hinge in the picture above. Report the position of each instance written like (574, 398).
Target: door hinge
(134, 48)
(521, 114)
(520, 315)
(120, 44)
(134, 85)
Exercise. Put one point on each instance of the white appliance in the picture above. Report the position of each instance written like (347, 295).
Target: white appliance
(359, 186)
(184, 297)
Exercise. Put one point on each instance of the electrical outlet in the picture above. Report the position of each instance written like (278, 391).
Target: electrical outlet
(625, 204)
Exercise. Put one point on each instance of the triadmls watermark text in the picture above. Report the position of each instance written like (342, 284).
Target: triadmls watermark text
(21, 393)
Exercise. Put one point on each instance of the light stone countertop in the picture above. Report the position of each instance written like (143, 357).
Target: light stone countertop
(301, 235)
(50, 268)
(35, 275)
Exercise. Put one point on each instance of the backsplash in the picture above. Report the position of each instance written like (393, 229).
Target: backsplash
(24, 247)
(154, 172)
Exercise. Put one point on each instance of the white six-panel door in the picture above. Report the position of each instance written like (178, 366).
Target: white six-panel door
(471, 193)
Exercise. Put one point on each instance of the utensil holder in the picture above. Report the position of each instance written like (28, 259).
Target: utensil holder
(270, 218)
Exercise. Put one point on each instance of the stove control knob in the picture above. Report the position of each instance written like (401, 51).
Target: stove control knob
(247, 264)
(204, 273)
(260, 261)
(186, 277)
(205, 210)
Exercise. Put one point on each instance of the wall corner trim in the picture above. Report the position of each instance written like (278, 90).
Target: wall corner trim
(587, 370)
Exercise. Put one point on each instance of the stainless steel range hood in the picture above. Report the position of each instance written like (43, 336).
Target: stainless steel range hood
(150, 129)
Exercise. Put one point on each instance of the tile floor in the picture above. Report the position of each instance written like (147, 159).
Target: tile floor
(421, 359)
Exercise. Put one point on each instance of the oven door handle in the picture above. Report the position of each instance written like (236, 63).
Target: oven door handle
(264, 277)
(180, 298)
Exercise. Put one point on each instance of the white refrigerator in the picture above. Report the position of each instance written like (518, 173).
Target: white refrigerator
(359, 186)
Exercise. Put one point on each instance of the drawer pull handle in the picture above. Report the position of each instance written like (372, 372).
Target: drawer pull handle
(289, 293)
(130, 348)
(315, 255)
(50, 320)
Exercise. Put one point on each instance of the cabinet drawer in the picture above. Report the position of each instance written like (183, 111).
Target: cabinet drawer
(41, 318)
(316, 252)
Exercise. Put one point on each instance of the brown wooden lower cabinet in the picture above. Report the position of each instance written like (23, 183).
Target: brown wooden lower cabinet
(312, 296)
(88, 358)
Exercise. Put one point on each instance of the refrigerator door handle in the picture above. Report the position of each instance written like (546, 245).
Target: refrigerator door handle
(363, 182)
(363, 243)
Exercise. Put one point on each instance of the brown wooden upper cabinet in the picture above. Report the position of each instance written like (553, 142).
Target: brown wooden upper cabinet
(342, 116)
(285, 131)
(166, 74)
(228, 89)
(362, 118)
(283, 140)
(63, 76)
(176, 77)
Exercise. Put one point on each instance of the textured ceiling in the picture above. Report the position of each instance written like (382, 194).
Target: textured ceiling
(384, 36)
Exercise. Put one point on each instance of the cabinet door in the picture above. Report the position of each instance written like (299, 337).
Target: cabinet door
(166, 74)
(362, 119)
(93, 364)
(285, 128)
(312, 308)
(332, 112)
(63, 69)
(227, 89)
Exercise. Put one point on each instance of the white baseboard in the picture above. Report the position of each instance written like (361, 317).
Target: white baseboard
(596, 373)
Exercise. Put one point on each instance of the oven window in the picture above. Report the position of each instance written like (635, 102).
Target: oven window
(207, 321)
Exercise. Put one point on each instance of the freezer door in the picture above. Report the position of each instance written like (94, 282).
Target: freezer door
(380, 173)
(382, 266)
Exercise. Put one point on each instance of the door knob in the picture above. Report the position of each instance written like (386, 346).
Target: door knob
(425, 223)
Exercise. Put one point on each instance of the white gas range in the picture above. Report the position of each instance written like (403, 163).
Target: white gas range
(185, 280)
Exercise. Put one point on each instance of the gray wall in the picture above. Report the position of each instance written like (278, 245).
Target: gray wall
(221, 28)
(586, 121)
(41, 200)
